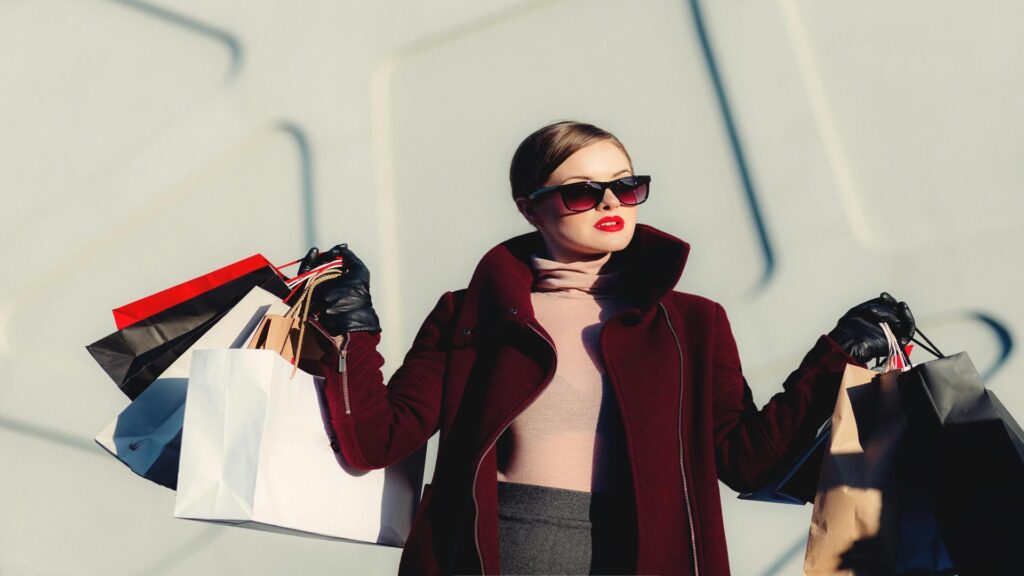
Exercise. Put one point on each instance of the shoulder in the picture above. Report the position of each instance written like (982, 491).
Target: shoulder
(450, 307)
(690, 304)
(696, 311)
(700, 316)
(449, 302)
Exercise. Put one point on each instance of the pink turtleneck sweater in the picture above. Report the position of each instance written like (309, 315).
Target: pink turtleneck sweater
(571, 435)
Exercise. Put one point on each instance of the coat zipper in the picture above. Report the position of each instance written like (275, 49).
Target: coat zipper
(476, 508)
(343, 369)
(682, 465)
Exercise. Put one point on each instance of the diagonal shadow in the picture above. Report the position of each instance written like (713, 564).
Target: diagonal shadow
(306, 163)
(736, 145)
(50, 435)
(234, 46)
(797, 547)
(1005, 341)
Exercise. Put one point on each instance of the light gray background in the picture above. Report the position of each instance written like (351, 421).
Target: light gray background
(813, 152)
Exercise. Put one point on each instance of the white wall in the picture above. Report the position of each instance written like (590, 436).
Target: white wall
(144, 143)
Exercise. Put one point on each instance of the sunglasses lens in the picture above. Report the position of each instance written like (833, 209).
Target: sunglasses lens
(581, 197)
(630, 191)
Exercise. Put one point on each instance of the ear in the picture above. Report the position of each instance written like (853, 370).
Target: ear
(528, 210)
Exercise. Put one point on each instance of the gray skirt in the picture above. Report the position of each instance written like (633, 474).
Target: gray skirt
(543, 530)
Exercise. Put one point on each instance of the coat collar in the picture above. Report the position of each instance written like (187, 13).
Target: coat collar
(653, 263)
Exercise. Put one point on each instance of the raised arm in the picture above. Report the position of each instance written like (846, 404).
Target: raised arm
(751, 443)
(377, 425)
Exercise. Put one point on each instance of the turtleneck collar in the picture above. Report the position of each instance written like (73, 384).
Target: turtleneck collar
(652, 265)
(595, 278)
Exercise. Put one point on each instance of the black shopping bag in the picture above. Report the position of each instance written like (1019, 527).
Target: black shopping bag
(972, 451)
(796, 483)
(135, 356)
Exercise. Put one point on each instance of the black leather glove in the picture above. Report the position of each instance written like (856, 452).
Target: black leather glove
(342, 304)
(860, 335)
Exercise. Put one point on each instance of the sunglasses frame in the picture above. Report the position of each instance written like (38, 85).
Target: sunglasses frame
(615, 186)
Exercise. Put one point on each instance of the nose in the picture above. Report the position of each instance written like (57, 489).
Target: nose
(609, 201)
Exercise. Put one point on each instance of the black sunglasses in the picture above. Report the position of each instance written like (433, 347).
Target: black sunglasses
(583, 196)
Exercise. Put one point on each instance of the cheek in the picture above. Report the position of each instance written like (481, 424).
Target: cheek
(628, 216)
(550, 212)
(574, 225)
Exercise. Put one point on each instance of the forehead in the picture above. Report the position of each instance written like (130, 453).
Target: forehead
(601, 160)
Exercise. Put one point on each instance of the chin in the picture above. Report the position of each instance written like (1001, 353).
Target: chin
(608, 242)
(585, 243)
(617, 246)
(615, 241)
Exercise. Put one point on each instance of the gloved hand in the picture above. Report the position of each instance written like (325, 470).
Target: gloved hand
(858, 331)
(342, 304)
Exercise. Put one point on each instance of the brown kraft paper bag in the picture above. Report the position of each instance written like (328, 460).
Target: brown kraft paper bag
(854, 525)
(287, 335)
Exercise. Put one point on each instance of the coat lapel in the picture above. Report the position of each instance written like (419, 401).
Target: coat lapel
(500, 286)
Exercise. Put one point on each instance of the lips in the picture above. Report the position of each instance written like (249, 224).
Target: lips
(610, 224)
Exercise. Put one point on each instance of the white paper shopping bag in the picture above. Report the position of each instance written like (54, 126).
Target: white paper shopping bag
(146, 436)
(256, 452)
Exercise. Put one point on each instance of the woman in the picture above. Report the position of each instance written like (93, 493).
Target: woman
(586, 409)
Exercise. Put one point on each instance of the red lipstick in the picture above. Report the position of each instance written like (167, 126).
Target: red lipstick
(610, 224)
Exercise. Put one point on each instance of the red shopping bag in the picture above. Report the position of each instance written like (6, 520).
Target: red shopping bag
(141, 309)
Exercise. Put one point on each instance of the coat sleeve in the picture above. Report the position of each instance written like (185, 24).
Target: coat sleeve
(751, 443)
(378, 425)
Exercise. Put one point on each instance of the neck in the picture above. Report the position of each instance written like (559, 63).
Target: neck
(589, 261)
(593, 277)
(556, 254)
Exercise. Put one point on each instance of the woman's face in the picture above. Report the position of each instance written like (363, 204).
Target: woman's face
(574, 236)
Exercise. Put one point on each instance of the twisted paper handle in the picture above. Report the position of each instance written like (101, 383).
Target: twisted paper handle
(300, 310)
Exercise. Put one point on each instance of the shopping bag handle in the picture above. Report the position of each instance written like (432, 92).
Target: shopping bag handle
(296, 282)
(300, 309)
(933, 350)
(898, 357)
(338, 262)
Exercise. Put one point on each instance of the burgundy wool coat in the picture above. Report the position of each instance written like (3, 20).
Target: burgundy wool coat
(480, 358)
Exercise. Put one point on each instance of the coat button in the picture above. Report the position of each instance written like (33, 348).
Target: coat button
(467, 331)
(513, 311)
